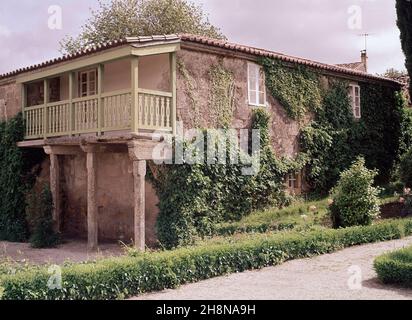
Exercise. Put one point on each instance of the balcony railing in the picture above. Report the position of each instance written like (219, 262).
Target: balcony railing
(96, 114)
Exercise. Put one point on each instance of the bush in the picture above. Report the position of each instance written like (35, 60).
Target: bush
(395, 267)
(40, 209)
(126, 276)
(405, 168)
(355, 200)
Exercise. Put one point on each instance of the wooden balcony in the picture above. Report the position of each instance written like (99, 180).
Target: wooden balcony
(110, 111)
(106, 108)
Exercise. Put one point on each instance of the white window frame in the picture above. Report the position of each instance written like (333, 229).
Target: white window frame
(258, 73)
(88, 83)
(355, 95)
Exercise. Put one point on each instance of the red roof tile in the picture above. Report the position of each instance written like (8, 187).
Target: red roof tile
(205, 41)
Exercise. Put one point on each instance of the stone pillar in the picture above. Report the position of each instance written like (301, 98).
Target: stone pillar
(55, 190)
(92, 214)
(139, 174)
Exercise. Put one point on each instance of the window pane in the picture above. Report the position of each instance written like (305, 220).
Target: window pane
(253, 97)
(356, 91)
(357, 102)
(261, 98)
(92, 76)
(84, 77)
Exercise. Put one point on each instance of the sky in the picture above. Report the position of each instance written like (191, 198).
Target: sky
(322, 30)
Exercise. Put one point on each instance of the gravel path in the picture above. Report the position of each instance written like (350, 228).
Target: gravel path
(322, 277)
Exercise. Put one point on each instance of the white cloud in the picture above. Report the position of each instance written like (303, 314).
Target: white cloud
(4, 32)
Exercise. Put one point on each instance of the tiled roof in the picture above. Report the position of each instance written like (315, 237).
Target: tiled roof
(353, 65)
(91, 50)
(189, 38)
(271, 54)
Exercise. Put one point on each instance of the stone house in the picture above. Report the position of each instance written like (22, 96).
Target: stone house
(94, 113)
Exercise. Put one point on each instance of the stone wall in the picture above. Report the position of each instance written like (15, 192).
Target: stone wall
(10, 101)
(114, 197)
(284, 131)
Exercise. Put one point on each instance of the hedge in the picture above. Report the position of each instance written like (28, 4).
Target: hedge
(395, 267)
(126, 276)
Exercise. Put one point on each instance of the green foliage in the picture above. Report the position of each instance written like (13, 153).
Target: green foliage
(12, 181)
(296, 88)
(405, 169)
(378, 134)
(406, 123)
(395, 267)
(328, 141)
(355, 200)
(40, 211)
(119, 19)
(210, 193)
(222, 97)
(334, 140)
(404, 11)
(127, 276)
(297, 215)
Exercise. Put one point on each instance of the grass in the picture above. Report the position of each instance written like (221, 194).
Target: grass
(300, 215)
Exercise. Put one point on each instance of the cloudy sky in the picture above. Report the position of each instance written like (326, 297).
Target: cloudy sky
(322, 30)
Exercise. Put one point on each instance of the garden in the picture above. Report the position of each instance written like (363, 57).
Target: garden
(219, 221)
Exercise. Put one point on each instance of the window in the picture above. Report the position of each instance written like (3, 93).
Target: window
(354, 95)
(88, 83)
(256, 85)
(292, 180)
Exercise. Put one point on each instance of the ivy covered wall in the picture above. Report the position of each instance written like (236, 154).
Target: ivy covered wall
(333, 140)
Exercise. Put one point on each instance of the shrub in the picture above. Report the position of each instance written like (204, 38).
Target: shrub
(355, 200)
(40, 209)
(126, 276)
(405, 168)
(395, 267)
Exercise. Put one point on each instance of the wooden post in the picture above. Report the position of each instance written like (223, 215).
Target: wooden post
(100, 77)
(71, 97)
(92, 222)
(172, 59)
(45, 113)
(135, 94)
(139, 173)
(55, 190)
(23, 106)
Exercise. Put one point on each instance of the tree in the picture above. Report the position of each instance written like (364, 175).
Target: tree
(394, 74)
(404, 11)
(124, 18)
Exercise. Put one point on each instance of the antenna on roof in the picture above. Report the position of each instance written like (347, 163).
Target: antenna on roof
(366, 35)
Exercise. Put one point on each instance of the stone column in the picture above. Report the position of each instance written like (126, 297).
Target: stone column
(92, 214)
(139, 174)
(55, 190)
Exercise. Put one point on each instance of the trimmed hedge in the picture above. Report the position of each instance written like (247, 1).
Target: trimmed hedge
(126, 276)
(395, 267)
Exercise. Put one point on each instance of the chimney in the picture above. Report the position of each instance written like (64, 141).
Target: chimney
(364, 59)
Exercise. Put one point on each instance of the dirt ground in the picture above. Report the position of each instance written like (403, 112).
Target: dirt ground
(74, 251)
(347, 274)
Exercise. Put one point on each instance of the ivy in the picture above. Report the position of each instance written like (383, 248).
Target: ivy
(335, 139)
(211, 193)
(191, 89)
(12, 185)
(222, 97)
(296, 88)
